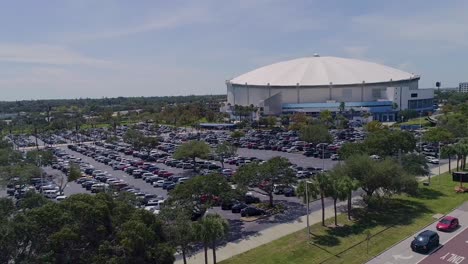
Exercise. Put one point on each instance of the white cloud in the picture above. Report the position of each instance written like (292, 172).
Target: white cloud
(160, 22)
(358, 52)
(47, 54)
(446, 26)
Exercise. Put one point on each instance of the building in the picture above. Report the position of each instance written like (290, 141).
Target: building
(314, 84)
(463, 87)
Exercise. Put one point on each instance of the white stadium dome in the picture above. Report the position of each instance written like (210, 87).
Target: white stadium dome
(320, 71)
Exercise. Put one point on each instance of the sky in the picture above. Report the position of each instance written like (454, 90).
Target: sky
(92, 49)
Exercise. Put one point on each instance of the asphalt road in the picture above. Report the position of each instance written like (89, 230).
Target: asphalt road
(450, 243)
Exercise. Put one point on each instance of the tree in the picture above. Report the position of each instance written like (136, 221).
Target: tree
(139, 141)
(342, 107)
(350, 149)
(201, 191)
(308, 195)
(84, 229)
(40, 157)
(374, 126)
(225, 150)
(438, 134)
(390, 142)
(180, 229)
(386, 176)
(298, 120)
(315, 134)
(448, 151)
(274, 171)
(74, 173)
(415, 164)
(322, 183)
(192, 150)
(326, 117)
(338, 187)
(209, 230)
(237, 134)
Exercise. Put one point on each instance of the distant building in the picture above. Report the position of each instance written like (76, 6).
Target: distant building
(463, 87)
(315, 84)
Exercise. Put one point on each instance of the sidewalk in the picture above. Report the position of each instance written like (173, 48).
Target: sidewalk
(265, 236)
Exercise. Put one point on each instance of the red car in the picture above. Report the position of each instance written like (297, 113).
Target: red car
(447, 223)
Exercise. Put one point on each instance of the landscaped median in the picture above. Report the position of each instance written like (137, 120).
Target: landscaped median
(371, 232)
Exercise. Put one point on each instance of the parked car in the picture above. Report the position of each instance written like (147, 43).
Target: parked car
(251, 211)
(448, 223)
(237, 208)
(425, 241)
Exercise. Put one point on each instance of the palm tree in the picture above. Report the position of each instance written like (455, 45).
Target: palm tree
(338, 187)
(209, 230)
(342, 107)
(322, 184)
(308, 195)
(447, 152)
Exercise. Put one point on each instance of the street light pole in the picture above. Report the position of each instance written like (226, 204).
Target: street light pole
(420, 129)
(307, 200)
(323, 157)
(439, 159)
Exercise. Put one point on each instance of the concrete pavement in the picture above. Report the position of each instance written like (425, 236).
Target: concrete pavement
(263, 237)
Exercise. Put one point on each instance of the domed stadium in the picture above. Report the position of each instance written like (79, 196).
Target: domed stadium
(314, 84)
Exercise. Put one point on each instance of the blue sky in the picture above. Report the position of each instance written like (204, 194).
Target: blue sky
(96, 48)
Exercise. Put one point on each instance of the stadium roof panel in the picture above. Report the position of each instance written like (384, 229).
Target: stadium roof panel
(320, 71)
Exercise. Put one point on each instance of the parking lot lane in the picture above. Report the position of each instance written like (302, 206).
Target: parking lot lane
(454, 251)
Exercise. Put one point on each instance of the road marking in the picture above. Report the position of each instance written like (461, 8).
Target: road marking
(456, 234)
(397, 257)
(452, 258)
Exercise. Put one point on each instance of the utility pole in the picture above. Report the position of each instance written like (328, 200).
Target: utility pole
(420, 128)
(308, 202)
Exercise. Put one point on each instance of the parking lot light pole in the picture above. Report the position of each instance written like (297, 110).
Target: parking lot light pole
(308, 201)
(439, 159)
(323, 157)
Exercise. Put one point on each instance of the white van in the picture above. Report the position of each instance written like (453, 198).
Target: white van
(52, 194)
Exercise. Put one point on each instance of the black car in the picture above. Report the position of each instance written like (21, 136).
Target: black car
(289, 191)
(227, 204)
(237, 208)
(425, 241)
(251, 211)
(250, 199)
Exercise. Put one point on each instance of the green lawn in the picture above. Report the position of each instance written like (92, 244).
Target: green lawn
(416, 121)
(396, 219)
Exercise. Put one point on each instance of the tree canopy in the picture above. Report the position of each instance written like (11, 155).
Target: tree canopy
(83, 229)
(192, 150)
(315, 134)
(273, 172)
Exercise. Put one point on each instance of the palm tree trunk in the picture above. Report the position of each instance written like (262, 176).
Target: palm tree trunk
(334, 207)
(206, 253)
(271, 199)
(349, 206)
(214, 252)
(458, 161)
(450, 161)
(184, 256)
(323, 208)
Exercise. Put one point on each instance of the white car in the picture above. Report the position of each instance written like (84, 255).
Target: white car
(158, 183)
(182, 180)
(433, 161)
(61, 197)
